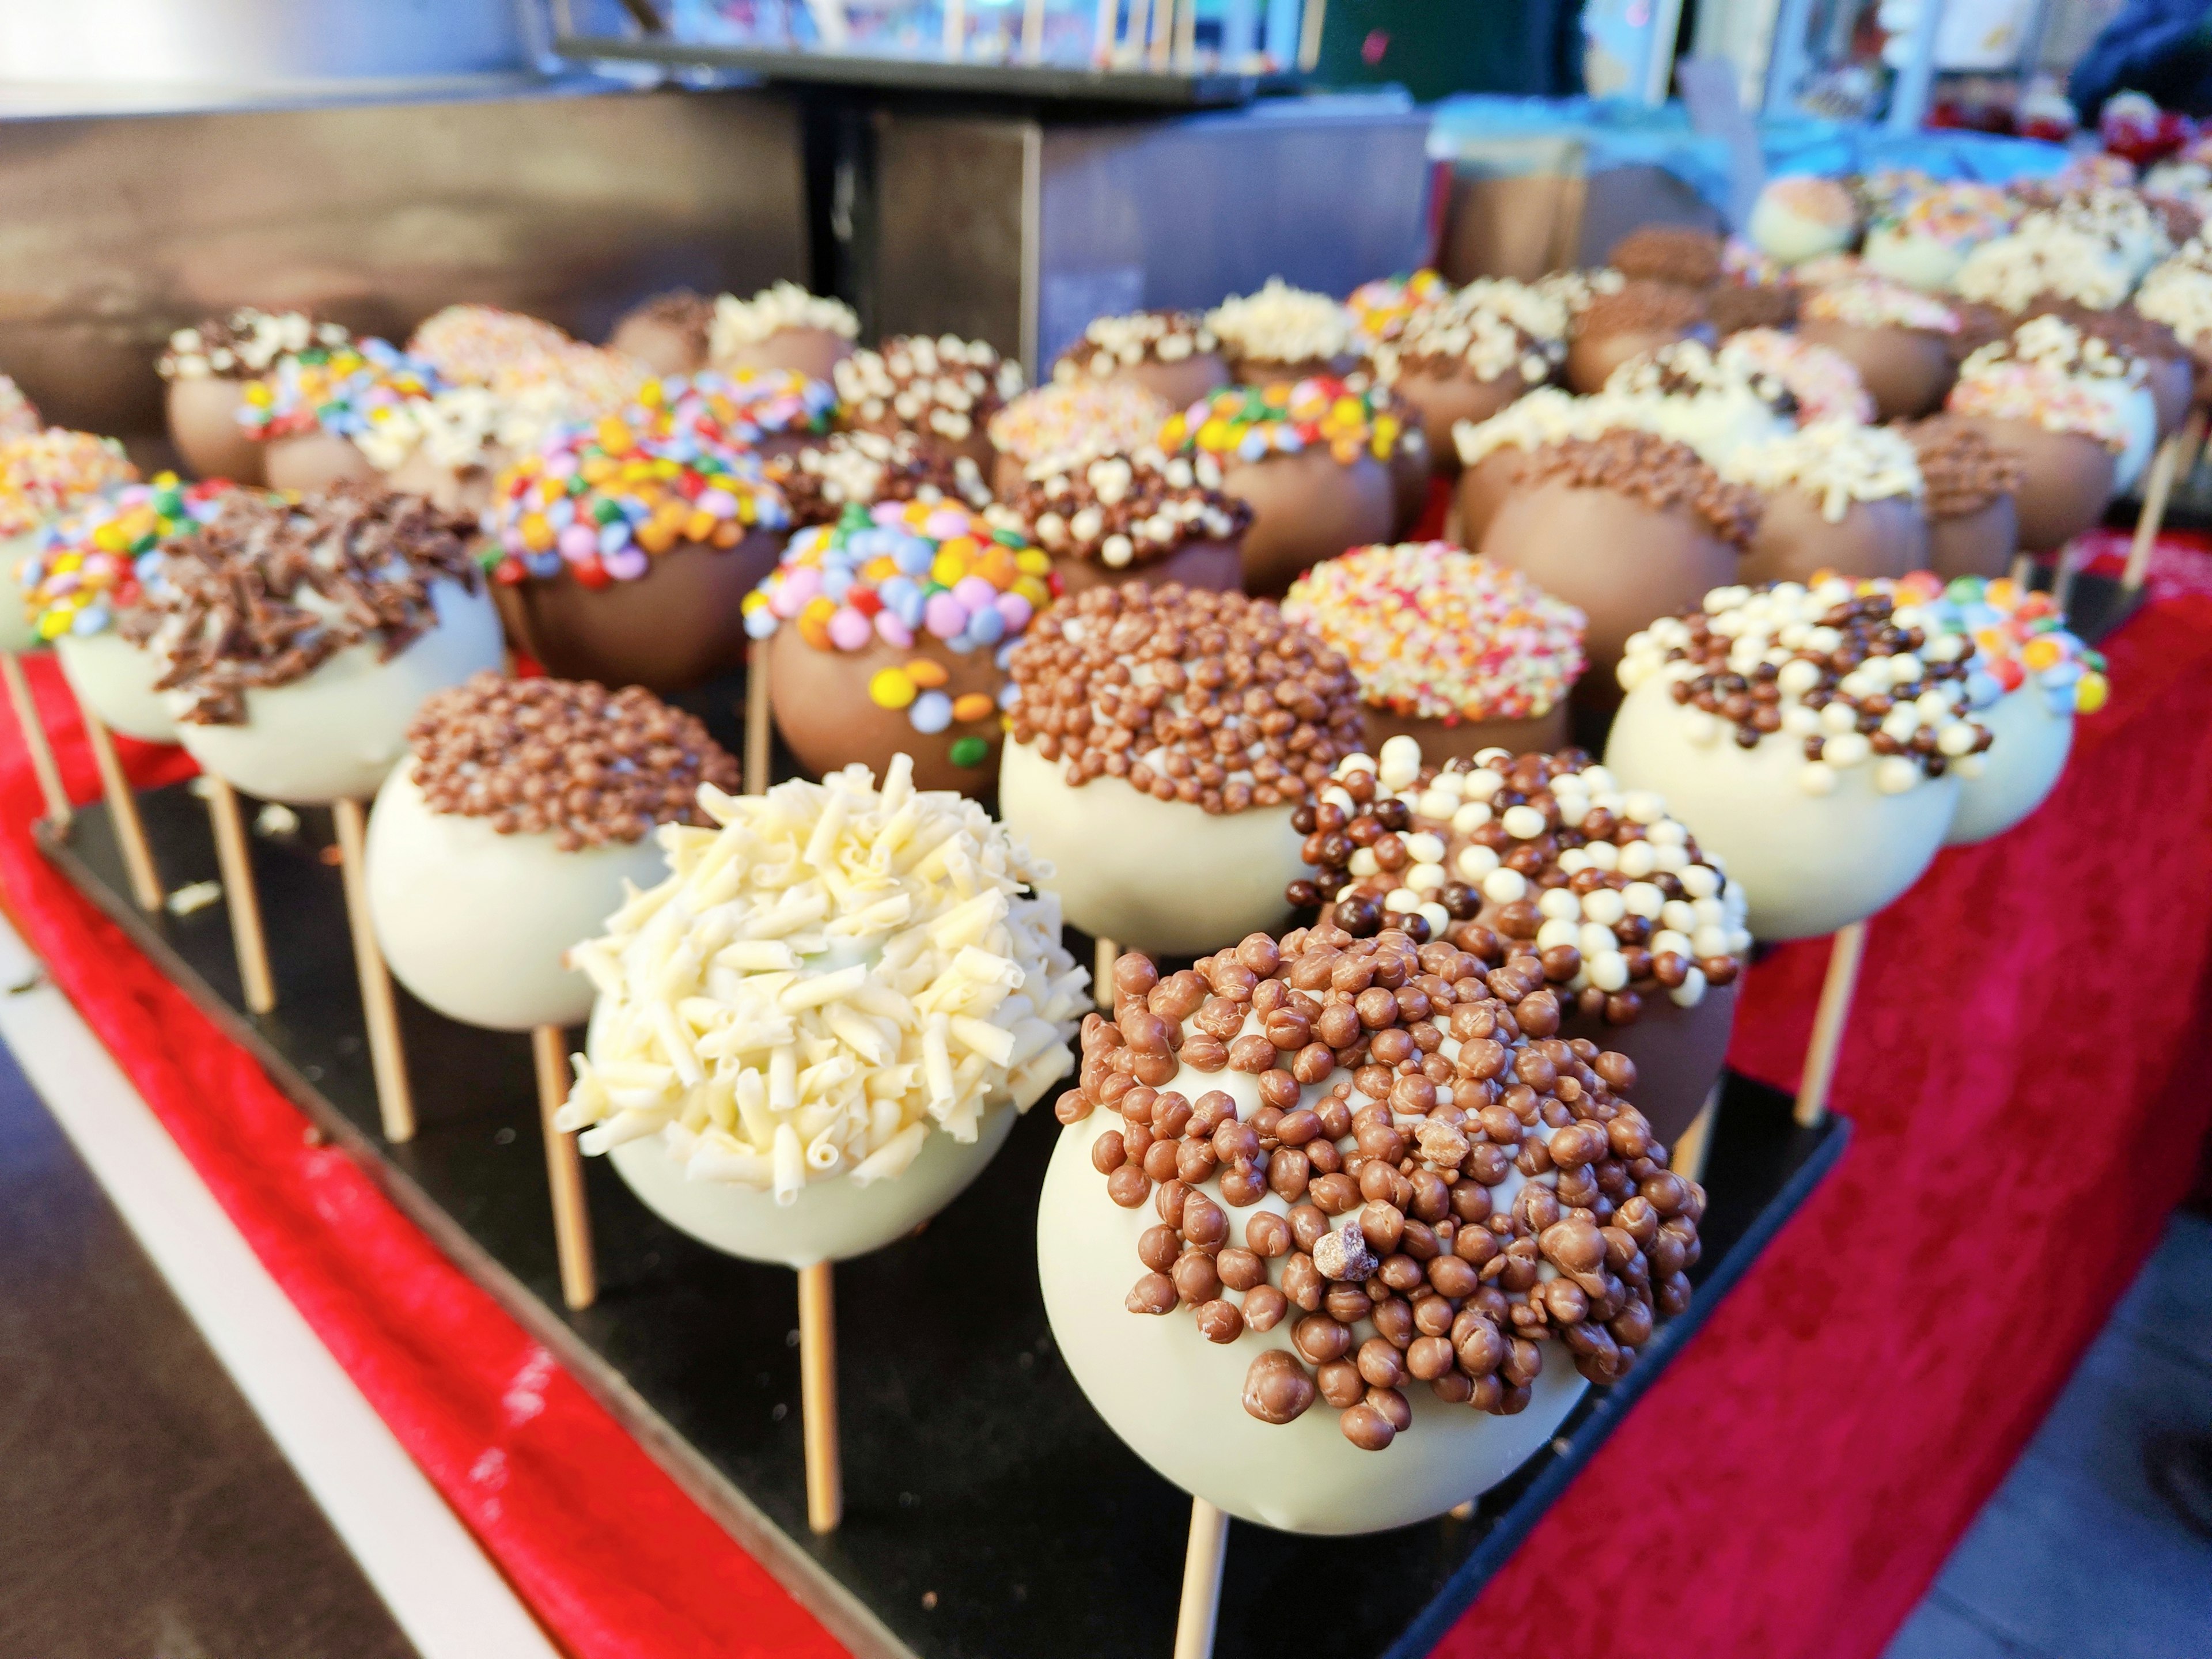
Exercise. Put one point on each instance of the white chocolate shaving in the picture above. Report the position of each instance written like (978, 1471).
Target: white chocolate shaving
(1835, 462)
(774, 309)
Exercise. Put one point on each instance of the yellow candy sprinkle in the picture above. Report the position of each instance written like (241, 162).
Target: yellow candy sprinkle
(1033, 561)
(2090, 693)
(892, 687)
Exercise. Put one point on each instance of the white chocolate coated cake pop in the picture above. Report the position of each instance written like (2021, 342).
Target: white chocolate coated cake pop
(1809, 737)
(1802, 216)
(520, 821)
(821, 1026)
(1345, 1173)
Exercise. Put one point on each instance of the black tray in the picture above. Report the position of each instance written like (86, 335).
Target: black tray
(988, 1511)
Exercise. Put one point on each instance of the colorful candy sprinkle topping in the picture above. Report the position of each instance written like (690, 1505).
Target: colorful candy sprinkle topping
(1435, 632)
(600, 500)
(2019, 636)
(344, 390)
(92, 563)
(1381, 309)
(1251, 422)
(51, 471)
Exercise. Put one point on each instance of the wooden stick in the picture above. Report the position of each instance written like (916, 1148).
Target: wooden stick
(2157, 493)
(123, 808)
(757, 730)
(1828, 1021)
(2022, 570)
(564, 1172)
(2062, 578)
(1102, 976)
(386, 1056)
(1463, 1511)
(1689, 1159)
(234, 857)
(34, 739)
(818, 1397)
(1201, 1581)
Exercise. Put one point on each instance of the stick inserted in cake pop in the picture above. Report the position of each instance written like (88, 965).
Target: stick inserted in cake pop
(1830, 1016)
(564, 1172)
(387, 1055)
(817, 1396)
(1202, 1563)
(34, 739)
(235, 861)
(123, 811)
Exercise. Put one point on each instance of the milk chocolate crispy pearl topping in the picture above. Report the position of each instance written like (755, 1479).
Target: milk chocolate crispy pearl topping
(1641, 306)
(236, 612)
(1668, 253)
(1963, 471)
(1401, 1089)
(591, 766)
(1657, 471)
(1213, 699)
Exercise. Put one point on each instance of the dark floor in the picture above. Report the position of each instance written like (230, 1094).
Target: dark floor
(2075, 1557)
(144, 1514)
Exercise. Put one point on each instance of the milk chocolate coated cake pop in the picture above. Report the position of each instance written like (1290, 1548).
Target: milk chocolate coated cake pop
(1466, 357)
(206, 370)
(944, 391)
(889, 633)
(1538, 858)
(1313, 460)
(2068, 434)
(1969, 484)
(782, 326)
(623, 551)
(1896, 336)
(301, 639)
(1631, 321)
(1448, 649)
(1626, 526)
(1802, 216)
(520, 819)
(1681, 255)
(1491, 452)
(1173, 354)
(1809, 737)
(818, 1030)
(310, 410)
(1162, 740)
(1064, 421)
(821, 478)
(1143, 516)
(1351, 1173)
(42, 477)
(669, 333)
(1835, 497)
(1284, 333)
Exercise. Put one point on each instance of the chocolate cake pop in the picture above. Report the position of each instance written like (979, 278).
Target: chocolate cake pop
(1467, 356)
(1162, 740)
(1284, 333)
(1626, 526)
(859, 1029)
(1802, 216)
(1924, 241)
(1173, 354)
(1447, 649)
(1681, 255)
(823, 477)
(1491, 452)
(1896, 336)
(309, 412)
(668, 333)
(1637, 937)
(944, 391)
(782, 326)
(1823, 789)
(1632, 321)
(520, 819)
(206, 369)
(2169, 372)
(1346, 1217)
(2067, 433)
(1139, 516)
(1313, 460)
(42, 477)
(888, 634)
(1835, 497)
(302, 638)
(622, 552)
(1065, 421)
(1969, 483)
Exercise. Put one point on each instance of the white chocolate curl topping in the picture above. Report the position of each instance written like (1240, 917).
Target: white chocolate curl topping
(1835, 462)
(825, 976)
(2180, 294)
(748, 322)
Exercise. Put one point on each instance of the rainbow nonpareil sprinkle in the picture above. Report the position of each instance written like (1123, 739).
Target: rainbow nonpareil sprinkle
(51, 471)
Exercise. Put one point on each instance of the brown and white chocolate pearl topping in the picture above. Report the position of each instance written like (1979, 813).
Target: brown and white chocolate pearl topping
(1542, 860)
(1123, 510)
(570, 758)
(1211, 699)
(1853, 679)
(1431, 1184)
(947, 386)
(1112, 344)
(847, 468)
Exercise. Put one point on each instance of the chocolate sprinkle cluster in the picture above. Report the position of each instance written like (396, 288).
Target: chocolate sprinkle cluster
(1657, 471)
(1963, 471)
(570, 758)
(268, 593)
(1665, 905)
(1639, 307)
(1208, 698)
(1123, 510)
(821, 480)
(1401, 1088)
(1668, 253)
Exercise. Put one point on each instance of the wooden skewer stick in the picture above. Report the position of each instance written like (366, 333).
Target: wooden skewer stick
(235, 859)
(564, 1171)
(34, 739)
(387, 1057)
(1689, 1159)
(1463, 1511)
(1102, 976)
(1829, 1018)
(2022, 570)
(2176, 452)
(122, 809)
(1201, 1581)
(818, 1397)
(757, 734)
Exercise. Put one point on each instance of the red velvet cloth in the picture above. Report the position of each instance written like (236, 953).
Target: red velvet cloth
(609, 1551)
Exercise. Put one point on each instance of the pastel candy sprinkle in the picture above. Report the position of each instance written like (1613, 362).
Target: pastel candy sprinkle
(1251, 422)
(345, 389)
(101, 556)
(931, 713)
(51, 471)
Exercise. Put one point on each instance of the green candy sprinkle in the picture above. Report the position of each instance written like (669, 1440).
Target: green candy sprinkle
(969, 752)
